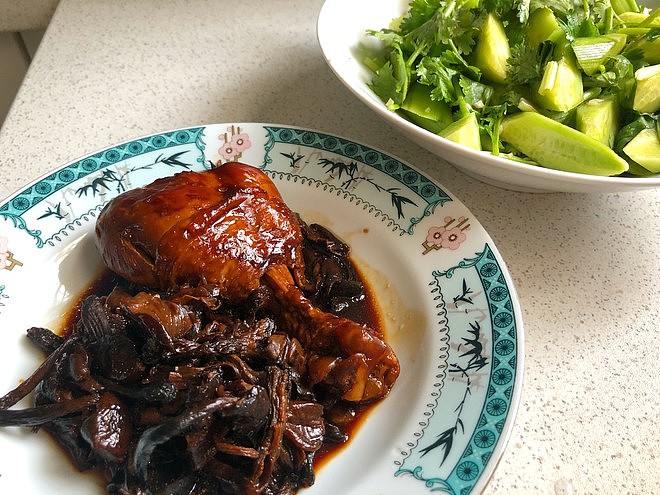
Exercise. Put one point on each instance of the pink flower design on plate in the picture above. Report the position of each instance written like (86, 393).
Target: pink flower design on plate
(227, 151)
(234, 147)
(449, 236)
(240, 142)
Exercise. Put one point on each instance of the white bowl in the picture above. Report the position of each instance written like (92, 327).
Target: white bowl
(341, 29)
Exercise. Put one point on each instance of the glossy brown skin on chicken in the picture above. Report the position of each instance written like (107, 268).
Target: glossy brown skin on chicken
(352, 359)
(222, 227)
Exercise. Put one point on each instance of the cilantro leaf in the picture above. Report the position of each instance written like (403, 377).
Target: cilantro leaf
(490, 123)
(432, 72)
(450, 25)
(618, 78)
(384, 84)
(507, 8)
(523, 65)
(572, 25)
(387, 36)
(419, 12)
(476, 94)
(390, 82)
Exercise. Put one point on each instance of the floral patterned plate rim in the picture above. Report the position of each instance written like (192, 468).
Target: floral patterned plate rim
(448, 302)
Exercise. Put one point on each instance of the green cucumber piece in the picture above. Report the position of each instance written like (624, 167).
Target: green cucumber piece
(598, 119)
(592, 52)
(644, 149)
(542, 26)
(554, 145)
(636, 18)
(434, 126)
(644, 27)
(420, 109)
(524, 105)
(469, 4)
(634, 31)
(561, 86)
(492, 50)
(621, 6)
(464, 131)
(647, 90)
(638, 170)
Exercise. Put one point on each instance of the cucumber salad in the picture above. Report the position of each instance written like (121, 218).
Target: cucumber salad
(572, 85)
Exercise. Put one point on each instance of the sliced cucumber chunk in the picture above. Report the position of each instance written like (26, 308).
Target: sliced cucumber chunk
(638, 170)
(621, 6)
(434, 126)
(647, 91)
(560, 147)
(425, 112)
(561, 86)
(464, 131)
(642, 26)
(543, 26)
(492, 50)
(636, 18)
(598, 119)
(644, 149)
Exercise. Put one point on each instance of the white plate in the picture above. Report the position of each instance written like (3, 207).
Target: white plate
(341, 29)
(451, 312)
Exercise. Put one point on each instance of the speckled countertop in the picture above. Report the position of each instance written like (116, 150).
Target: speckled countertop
(586, 267)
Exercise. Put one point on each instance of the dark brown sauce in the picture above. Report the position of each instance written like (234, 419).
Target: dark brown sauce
(327, 451)
(365, 311)
(101, 285)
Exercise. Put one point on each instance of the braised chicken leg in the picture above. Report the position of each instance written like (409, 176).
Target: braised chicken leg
(350, 358)
(221, 227)
(229, 229)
